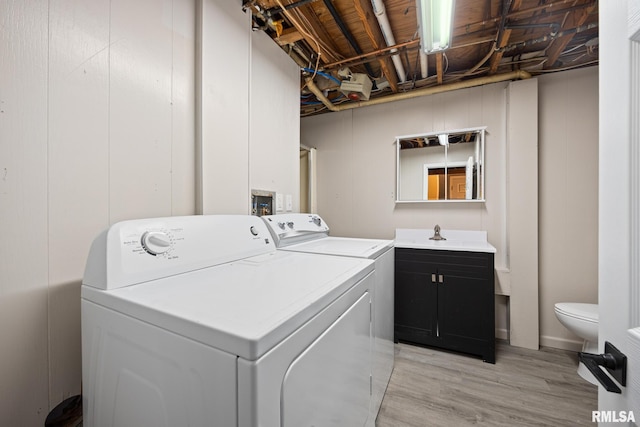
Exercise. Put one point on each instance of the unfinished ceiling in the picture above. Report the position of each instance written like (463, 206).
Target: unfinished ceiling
(337, 43)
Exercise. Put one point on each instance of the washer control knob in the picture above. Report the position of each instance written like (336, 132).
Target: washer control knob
(254, 230)
(317, 221)
(281, 225)
(156, 242)
(290, 224)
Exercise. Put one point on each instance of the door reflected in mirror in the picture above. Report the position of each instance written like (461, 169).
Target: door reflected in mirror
(442, 166)
(450, 183)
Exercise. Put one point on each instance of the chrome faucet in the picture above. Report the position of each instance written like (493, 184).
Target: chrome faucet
(436, 234)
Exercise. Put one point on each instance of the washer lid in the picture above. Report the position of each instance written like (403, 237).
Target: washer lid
(244, 307)
(580, 310)
(344, 246)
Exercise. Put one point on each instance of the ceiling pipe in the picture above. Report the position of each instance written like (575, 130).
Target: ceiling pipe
(496, 78)
(424, 64)
(381, 14)
(318, 93)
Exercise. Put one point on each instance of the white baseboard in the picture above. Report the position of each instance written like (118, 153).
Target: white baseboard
(561, 343)
(547, 341)
(502, 334)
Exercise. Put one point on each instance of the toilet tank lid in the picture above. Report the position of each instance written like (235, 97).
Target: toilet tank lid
(577, 309)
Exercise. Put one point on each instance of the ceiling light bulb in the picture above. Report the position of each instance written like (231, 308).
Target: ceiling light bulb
(436, 22)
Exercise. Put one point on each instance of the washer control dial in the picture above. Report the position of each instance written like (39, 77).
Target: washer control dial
(156, 242)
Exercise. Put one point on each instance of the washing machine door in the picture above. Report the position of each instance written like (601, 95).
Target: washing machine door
(329, 383)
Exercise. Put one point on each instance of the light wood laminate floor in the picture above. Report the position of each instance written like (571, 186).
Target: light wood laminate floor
(429, 387)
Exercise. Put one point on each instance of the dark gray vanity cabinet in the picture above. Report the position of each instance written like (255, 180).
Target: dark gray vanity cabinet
(446, 299)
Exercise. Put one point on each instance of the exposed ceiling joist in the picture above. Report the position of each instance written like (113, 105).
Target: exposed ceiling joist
(372, 30)
(574, 19)
(490, 37)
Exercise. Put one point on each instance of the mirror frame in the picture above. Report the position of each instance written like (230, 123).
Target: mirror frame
(481, 130)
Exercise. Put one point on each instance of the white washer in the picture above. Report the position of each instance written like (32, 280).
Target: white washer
(308, 233)
(199, 321)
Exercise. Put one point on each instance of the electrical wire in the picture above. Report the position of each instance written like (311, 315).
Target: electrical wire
(299, 27)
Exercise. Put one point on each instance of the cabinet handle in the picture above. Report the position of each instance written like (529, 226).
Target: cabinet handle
(433, 278)
(440, 278)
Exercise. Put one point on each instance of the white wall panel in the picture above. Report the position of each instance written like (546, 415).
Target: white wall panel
(96, 125)
(522, 211)
(332, 134)
(23, 212)
(140, 128)
(183, 193)
(274, 135)
(494, 215)
(568, 197)
(223, 108)
(78, 180)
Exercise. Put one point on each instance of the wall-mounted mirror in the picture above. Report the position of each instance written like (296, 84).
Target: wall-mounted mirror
(441, 166)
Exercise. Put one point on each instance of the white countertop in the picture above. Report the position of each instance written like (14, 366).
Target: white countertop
(456, 240)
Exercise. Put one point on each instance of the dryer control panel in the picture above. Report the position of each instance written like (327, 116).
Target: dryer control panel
(136, 251)
(291, 228)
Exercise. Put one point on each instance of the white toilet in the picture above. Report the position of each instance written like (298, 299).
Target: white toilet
(582, 320)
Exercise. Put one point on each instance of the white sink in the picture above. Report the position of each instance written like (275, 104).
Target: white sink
(456, 240)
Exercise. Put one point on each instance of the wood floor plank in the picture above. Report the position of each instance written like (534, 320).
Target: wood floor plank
(429, 387)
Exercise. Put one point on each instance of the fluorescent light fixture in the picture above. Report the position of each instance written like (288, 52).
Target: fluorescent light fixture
(435, 18)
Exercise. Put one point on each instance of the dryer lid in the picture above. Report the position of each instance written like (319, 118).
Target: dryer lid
(344, 246)
(245, 307)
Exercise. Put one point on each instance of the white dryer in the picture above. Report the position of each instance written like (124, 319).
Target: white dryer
(308, 233)
(199, 321)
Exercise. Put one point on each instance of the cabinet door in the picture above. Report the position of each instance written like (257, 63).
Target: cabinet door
(415, 302)
(462, 305)
(466, 314)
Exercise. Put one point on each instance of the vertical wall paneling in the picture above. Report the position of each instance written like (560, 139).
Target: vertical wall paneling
(493, 114)
(183, 192)
(274, 125)
(568, 150)
(23, 212)
(331, 134)
(522, 208)
(78, 179)
(140, 62)
(372, 152)
(96, 125)
(223, 108)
